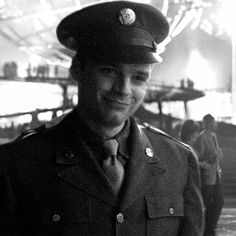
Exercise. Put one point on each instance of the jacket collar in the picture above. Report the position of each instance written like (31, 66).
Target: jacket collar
(81, 167)
(83, 171)
(143, 168)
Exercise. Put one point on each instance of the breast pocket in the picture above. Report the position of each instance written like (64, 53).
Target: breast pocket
(66, 219)
(165, 215)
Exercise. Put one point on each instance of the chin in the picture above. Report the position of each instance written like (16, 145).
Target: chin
(114, 120)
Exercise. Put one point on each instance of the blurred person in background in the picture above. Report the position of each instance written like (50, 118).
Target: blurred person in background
(209, 151)
(188, 134)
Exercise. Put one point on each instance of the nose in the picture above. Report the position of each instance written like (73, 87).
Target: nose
(123, 86)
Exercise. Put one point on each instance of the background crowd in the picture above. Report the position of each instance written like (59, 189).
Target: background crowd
(204, 144)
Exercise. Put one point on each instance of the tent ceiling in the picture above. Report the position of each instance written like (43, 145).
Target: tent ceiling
(30, 24)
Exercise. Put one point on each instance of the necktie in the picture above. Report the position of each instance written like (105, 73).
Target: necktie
(112, 167)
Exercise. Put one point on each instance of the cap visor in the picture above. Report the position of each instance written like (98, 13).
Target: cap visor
(123, 55)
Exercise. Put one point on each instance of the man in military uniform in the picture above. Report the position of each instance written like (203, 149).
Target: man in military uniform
(98, 172)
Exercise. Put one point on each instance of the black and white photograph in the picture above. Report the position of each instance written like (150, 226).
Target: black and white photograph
(117, 118)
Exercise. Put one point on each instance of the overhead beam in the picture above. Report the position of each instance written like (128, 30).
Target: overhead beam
(41, 13)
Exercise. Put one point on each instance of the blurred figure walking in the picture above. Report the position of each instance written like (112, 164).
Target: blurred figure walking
(209, 152)
(189, 132)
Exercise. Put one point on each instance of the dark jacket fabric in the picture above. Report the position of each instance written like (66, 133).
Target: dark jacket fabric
(50, 184)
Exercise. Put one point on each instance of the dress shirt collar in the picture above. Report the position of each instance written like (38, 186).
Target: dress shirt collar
(95, 140)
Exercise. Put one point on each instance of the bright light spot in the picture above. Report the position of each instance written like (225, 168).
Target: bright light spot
(59, 113)
(213, 16)
(195, 23)
(23, 49)
(4, 122)
(22, 71)
(207, 104)
(45, 5)
(176, 109)
(24, 119)
(206, 4)
(35, 60)
(22, 97)
(227, 16)
(199, 71)
(45, 116)
(2, 3)
(152, 107)
(75, 99)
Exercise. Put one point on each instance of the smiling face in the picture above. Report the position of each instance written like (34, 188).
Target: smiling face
(110, 93)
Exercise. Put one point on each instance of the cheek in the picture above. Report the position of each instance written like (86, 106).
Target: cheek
(102, 84)
(140, 92)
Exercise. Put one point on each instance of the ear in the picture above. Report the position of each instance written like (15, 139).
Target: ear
(75, 70)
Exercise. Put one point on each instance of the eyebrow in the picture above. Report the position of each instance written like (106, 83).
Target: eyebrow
(135, 68)
(143, 73)
(140, 70)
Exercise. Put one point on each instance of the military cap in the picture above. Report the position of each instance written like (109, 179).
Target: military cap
(118, 31)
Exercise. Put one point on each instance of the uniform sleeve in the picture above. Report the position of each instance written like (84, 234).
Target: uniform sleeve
(8, 225)
(193, 224)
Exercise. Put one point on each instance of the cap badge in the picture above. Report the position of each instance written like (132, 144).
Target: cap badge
(127, 16)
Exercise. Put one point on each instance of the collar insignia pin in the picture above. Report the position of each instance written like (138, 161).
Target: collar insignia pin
(149, 152)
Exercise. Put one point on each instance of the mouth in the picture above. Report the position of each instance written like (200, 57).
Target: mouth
(118, 102)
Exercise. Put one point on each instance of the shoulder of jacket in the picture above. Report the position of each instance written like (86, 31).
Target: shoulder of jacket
(158, 131)
(203, 133)
(28, 133)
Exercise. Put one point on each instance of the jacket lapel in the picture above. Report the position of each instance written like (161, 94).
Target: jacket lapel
(143, 169)
(89, 181)
(81, 167)
(83, 171)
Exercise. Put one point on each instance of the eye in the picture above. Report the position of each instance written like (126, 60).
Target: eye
(108, 71)
(140, 78)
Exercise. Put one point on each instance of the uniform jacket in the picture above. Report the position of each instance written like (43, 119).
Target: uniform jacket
(51, 185)
(208, 151)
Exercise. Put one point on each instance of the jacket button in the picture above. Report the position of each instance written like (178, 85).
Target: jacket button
(69, 154)
(171, 211)
(120, 218)
(56, 218)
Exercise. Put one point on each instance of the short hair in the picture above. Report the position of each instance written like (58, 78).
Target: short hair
(189, 127)
(208, 118)
(78, 62)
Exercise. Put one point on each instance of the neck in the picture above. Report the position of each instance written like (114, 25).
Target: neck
(210, 130)
(101, 129)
